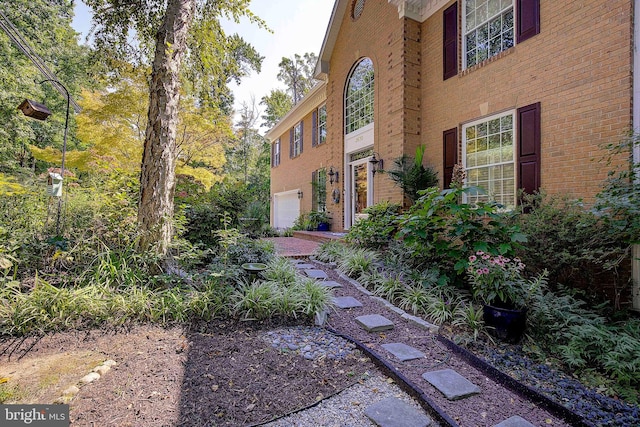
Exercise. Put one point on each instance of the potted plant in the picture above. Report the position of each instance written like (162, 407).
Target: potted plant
(319, 220)
(499, 283)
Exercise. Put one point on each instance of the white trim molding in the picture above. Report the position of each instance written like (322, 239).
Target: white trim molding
(418, 10)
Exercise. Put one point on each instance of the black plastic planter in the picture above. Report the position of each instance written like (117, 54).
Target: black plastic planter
(505, 324)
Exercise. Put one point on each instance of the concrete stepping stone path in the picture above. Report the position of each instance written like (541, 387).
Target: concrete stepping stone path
(374, 323)
(515, 421)
(450, 383)
(305, 266)
(346, 302)
(316, 274)
(331, 284)
(403, 352)
(393, 412)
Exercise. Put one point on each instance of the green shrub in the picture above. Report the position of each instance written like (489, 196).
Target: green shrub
(411, 175)
(585, 340)
(330, 251)
(439, 229)
(377, 229)
(280, 270)
(357, 262)
(577, 247)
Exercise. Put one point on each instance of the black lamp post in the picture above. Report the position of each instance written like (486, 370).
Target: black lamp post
(41, 112)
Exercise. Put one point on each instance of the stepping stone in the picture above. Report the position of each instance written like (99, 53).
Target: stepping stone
(393, 412)
(331, 284)
(316, 274)
(515, 421)
(450, 383)
(346, 302)
(374, 323)
(295, 261)
(305, 266)
(403, 351)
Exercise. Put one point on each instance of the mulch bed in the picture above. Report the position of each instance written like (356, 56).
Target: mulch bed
(222, 373)
(225, 373)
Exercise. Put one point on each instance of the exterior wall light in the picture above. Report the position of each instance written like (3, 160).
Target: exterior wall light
(299, 194)
(377, 164)
(334, 176)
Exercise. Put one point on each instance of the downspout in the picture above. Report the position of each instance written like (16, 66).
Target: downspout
(636, 147)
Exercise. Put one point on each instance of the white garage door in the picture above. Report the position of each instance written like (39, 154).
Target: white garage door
(286, 209)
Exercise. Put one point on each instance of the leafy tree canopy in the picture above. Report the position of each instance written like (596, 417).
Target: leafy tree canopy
(45, 28)
(277, 104)
(297, 74)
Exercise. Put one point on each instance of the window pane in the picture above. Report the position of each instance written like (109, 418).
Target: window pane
(359, 96)
(506, 122)
(489, 159)
(489, 29)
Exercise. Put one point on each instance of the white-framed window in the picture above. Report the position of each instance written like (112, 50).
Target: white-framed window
(275, 158)
(319, 183)
(322, 124)
(297, 139)
(488, 155)
(488, 29)
(359, 96)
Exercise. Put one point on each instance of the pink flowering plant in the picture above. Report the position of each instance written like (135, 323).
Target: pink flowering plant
(498, 280)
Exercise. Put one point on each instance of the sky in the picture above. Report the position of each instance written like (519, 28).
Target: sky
(299, 26)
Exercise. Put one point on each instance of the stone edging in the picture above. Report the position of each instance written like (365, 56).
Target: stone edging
(96, 373)
(415, 319)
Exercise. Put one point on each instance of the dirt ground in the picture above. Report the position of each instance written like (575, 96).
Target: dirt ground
(223, 372)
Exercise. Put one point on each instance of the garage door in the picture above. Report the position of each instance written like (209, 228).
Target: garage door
(286, 209)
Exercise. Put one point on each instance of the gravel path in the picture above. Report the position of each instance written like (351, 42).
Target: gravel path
(346, 409)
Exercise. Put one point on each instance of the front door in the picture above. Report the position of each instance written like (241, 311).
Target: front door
(360, 189)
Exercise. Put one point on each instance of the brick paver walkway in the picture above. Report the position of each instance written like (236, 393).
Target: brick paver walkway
(293, 247)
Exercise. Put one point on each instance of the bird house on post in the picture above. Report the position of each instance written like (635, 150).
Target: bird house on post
(34, 109)
(54, 185)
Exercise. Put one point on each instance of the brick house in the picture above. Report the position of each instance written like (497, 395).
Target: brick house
(520, 92)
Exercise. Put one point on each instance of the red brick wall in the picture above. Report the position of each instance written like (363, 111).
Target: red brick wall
(578, 68)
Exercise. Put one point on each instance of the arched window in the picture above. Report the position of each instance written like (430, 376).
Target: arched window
(359, 97)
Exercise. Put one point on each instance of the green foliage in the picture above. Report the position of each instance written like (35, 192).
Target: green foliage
(579, 247)
(619, 201)
(261, 300)
(277, 103)
(46, 28)
(358, 262)
(280, 270)
(499, 281)
(377, 229)
(389, 288)
(309, 221)
(242, 207)
(331, 251)
(439, 229)
(469, 316)
(585, 340)
(297, 74)
(411, 176)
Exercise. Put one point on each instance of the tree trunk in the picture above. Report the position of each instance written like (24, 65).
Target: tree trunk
(157, 178)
